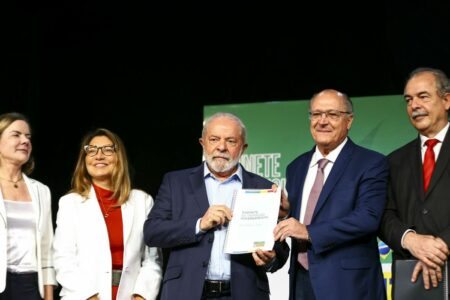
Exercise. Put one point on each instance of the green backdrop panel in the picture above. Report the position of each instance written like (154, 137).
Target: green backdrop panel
(279, 131)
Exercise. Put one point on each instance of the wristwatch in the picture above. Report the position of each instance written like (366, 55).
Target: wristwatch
(308, 238)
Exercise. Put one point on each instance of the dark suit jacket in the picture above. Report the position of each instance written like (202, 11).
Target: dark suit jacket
(180, 202)
(344, 261)
(408, 206)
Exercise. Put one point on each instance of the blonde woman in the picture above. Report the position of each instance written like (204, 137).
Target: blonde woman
(26, 232)
(99, 250)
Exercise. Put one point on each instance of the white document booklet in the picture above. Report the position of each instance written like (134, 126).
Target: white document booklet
(255, 214)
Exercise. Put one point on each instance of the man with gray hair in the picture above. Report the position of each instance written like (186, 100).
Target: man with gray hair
(190, 217)
(416, 222)
(337, 192)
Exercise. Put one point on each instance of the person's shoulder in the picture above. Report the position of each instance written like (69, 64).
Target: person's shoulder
(38, 187)
(298, 159)
(36, 182)
(139, 197)
(69, 202)
(138, 194)
(369, 152)
(72, 196)
(181, 172)
(257, 178)
(403, 151)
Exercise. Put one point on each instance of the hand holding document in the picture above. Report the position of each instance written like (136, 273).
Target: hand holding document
(255, 214)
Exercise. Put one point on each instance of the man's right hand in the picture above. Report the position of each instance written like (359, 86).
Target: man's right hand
(429, 275)
(430, 250)
(216, 215)
(290, 228)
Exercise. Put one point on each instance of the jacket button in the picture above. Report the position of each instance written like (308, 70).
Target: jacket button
(425, 211)
(205, 264)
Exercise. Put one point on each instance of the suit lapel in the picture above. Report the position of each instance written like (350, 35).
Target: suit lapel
(300, 177)
(246, 179)
(197, 181)
(337, 170)
(2, 208)
(35, 199)
(415, 168)
(441, 163)
(127, 219)
(91, 205)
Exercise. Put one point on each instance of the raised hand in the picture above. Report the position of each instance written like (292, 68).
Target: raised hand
(216, 215)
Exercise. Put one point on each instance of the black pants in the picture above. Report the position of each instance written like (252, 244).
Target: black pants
(303, 287)
(21, 287)
(217, 298)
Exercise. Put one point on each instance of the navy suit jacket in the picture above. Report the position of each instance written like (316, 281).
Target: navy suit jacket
(181, 201)
(344, 261)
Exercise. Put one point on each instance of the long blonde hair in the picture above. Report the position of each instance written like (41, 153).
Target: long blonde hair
(120, 178)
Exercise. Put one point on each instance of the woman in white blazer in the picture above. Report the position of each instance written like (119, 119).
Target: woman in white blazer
(99, 250)
(26, 231)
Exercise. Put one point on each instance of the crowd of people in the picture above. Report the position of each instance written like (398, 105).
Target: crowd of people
(340, 197)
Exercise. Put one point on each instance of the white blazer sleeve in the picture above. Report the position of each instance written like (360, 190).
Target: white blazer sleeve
(48, 271)
(76, 283)
(150, 275)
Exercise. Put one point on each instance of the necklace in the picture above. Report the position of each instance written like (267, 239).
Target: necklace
(104, 210)
(13, 181)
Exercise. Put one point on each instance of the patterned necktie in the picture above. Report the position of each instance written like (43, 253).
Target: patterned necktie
(428, 162)
(311, 205)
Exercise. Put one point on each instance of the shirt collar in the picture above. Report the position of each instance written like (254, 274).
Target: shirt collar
(440, 136)
(332, 156)
(236, 175)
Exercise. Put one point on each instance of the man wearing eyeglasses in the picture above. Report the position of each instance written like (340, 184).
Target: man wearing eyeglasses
(416, 222)
(337, 193)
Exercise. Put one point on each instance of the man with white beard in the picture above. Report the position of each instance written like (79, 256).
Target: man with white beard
(190, 218)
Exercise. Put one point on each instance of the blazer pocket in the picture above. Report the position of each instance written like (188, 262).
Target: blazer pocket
(356, 263)
(172, 273)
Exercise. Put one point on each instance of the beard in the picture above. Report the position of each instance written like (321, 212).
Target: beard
(221, 165)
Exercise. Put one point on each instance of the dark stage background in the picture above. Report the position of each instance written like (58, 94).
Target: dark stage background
(145, 71)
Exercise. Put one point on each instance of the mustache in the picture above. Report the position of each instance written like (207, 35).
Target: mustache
(418, 113)
(227, 157)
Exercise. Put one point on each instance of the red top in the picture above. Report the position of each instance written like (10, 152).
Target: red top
(113, 219)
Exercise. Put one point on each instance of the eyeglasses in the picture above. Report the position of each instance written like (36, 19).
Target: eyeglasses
(330, 114)
(107, 150)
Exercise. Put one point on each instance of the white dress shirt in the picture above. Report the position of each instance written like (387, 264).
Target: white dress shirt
(220, 192)
(312, 171)
(437, 148)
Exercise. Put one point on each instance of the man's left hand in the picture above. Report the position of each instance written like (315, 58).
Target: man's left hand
(285, 206)
(262, 258)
